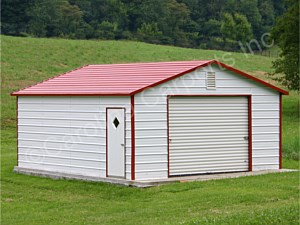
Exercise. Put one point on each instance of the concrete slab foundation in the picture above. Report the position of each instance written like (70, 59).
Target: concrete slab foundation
(144, 183)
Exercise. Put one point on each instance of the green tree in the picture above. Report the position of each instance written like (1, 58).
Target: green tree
(106, 30)
(212, 28)
(249, 8)
(279, 7)
(266, 9)
(228, 27)
(286, 36)
(13, 16)
(230, 6)
(243, 29)
(71, 21)
(55, 18)
(188, 23)
(177, 17)
(149, 29)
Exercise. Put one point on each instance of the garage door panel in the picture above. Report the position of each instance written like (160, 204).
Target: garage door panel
(224, 158)
(209, 114)
(229, 150)
(208, 166)
(205, 133)
(201, 140)
(211, 131)
(211, 169)
(207, 100)
(192, 122)
(208, 135)
(220, 162)
(208, 147)
(200, 123)
(201, 144)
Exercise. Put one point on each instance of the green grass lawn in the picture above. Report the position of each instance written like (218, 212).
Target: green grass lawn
(265, 199)
(290, 126)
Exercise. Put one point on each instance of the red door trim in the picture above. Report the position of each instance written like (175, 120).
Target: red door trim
(250, 132)
(168, 131)
(132, 139)
(217, 95)
(210, 95)
(280, 131)
(107, 108)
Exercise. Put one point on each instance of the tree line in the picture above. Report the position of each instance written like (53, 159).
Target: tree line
(213, 24)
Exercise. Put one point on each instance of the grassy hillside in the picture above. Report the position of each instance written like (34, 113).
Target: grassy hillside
(35, 200)
(28, 60)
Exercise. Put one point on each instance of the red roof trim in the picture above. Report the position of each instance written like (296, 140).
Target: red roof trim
(251, 77)
(171, 78)
(91, 93)
(64, 94)
(221, 65)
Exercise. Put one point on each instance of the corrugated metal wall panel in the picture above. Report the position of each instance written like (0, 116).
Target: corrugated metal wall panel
(150, 107)
(151, 104)
(68, 134)
(207, 134)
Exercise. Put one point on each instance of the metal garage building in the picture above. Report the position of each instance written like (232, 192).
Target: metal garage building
(144, 121)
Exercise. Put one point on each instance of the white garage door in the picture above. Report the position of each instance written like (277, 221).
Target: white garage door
(208, 134)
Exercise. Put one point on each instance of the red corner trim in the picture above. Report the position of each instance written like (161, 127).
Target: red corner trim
(250, 132)
(106, 140)
(132, 140)
(168, 130)
(280, 131)
(17, 126)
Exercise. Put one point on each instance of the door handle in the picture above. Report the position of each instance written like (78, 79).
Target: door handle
(122, 144)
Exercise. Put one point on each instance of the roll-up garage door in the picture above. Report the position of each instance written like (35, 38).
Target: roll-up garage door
(208, 134)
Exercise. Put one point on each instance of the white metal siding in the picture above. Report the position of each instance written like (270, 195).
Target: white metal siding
(151, 119)
(68, 134)
(208, 134)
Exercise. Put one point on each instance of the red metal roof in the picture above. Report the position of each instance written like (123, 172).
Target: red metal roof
(120, 79)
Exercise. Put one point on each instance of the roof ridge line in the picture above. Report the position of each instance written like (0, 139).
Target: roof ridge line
(220, 64)
(130, 89)
(125, 63)
(208, 62)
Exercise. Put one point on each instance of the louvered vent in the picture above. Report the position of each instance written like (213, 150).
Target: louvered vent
(211, 80)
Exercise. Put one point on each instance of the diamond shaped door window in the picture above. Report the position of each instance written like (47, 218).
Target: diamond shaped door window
(116, 122)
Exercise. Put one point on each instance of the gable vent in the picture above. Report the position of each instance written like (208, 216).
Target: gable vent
(210, 80)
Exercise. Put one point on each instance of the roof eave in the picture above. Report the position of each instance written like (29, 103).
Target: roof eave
(284, 92)
(281, 91)
(66, 94)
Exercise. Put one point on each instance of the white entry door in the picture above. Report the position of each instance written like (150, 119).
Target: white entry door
(116, 142)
